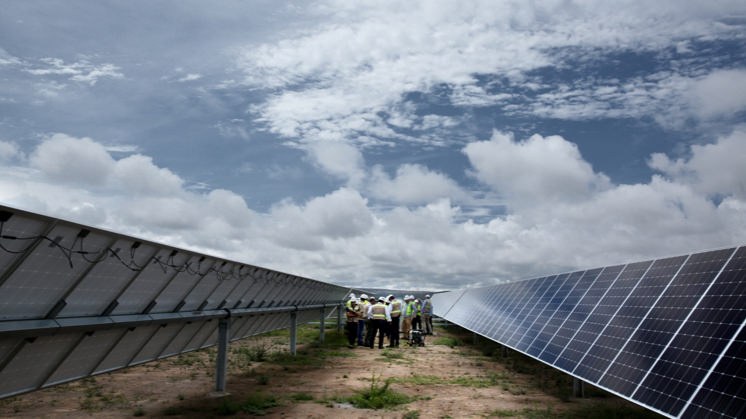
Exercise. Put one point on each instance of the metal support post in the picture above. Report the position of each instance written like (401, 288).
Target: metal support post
(577, 388)
(340, 309)
(222, 360)
(321, 328)
(293, 330)
(505, 351)
(476, 338)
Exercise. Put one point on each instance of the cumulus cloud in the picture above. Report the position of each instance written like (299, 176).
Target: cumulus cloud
(338, 215)
(413, 184)
(562, 214)
(82, 161)
(338, 159)
(538, 169)
(712, 169)
(720, 93)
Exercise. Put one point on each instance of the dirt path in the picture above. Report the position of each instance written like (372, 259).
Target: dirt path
(444, 379)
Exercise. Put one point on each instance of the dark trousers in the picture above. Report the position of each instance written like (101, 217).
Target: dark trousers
(360, 330)
(417, 323)
(351, 332)
(394, 332)
(376, 326)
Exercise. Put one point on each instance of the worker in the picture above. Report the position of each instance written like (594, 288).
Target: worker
(395, 313)
(387, 326)
(417, 317)
(406, 321)
(427, 315)
(349, 302)
(379, 319)
(353, 314)
(369, 334)
(362, 320)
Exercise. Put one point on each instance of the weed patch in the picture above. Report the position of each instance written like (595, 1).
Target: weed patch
(378, 396)
(255, 404)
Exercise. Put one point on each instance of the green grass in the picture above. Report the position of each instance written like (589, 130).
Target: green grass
(255, 404)
(378, 396)
(451, 342)
(301, 397)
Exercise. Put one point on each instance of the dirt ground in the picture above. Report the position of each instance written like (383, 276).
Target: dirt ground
(447, 378)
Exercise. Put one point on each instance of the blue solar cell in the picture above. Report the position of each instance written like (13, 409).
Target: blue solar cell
(723, 394)
(590, 366)
(582, 337)
(542, 306)
(517, 327)
(659, 327)
(552, 317)
(699, 342)
(572, 314)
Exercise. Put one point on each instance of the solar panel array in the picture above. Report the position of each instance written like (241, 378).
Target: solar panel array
(77, 301)
(667, 334)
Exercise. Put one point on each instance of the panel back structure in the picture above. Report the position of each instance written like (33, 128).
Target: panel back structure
(667, 334)
(77, 301)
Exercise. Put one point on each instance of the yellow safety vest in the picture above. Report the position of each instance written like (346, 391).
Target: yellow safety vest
(396, 308)
(379, 311)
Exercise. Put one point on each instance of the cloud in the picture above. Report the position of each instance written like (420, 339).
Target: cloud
(338, 159)
(66, 159)
(364, 60)
(82, 71)
(9, 151)
(539, 169)
(715, 170)
(190, 77)
(562, 215)
(8, 59)
(720, 93)
(413, 184)
(339, 215)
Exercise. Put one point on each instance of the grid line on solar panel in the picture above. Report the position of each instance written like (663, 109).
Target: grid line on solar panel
(564, 312)
(590, 365)
(574, 349)
(502, 296)
(529, 314)
(531, 329)
(662, 322)
(519, 291)
(652, 286)
(523, 306)
(699, 340)
(546, 320)
(724, 386)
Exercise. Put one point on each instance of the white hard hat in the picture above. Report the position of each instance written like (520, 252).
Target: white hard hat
(364, 296)
(427, 296)
(381, 298)
(388, 297)
(352, 295)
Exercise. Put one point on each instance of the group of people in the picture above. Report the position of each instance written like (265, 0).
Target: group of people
(369, 316)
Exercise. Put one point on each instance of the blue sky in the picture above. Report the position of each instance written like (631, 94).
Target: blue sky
(424, 144)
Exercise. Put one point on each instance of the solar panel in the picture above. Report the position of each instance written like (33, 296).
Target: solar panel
(667, 334)
(76, 301)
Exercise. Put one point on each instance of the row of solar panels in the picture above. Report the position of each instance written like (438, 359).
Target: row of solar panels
(667, 334)
(77, 301)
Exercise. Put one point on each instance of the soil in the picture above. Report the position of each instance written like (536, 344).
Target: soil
(447, 378)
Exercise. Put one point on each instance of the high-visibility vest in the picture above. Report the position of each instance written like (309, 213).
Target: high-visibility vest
(349, 304)
(410, 309)
(379, 311)
(396, 308)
